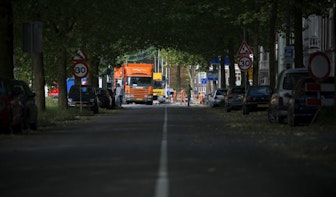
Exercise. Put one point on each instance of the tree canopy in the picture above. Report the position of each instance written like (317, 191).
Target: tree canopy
(108, 29)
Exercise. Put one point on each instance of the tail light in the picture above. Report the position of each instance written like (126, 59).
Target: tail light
(249, 98)
(230, 96)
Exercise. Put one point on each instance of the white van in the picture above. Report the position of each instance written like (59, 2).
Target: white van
(286, 82)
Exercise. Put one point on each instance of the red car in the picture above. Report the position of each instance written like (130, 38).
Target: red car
(53, 93)
(11, 108)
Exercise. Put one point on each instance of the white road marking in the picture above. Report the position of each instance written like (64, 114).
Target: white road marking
(162, 182)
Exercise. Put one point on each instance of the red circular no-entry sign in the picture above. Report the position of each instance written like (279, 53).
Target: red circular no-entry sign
(319, 66)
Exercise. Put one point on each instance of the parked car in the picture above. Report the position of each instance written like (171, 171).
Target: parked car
(278, 106)
(53, 93)
(234, 98)
(105, 98)
(83, 96)
(303, 103)
(217, 97)
(11, 108)
(29, 106)
(256, 98)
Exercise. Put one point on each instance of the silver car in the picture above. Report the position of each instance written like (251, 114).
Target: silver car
(217, 97)
(278, 107)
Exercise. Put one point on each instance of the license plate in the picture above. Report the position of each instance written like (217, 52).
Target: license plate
(139, 99)
(263, 105)
(78, 105)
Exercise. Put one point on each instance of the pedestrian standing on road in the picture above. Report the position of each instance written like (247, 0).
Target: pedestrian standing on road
(188, 91)
(119, 94)
(200, 98)
(182, 95)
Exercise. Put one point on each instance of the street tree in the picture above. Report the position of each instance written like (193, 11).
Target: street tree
(6, 39)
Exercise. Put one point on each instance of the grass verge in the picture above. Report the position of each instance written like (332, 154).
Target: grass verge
(54, 117)
(315, 143)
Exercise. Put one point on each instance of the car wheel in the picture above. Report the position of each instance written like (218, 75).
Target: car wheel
(26, 122)
(280, 119)
(18, 128)
(291, 118)
(33, 126)
(245, 110)
(95, 109)
(271, 117)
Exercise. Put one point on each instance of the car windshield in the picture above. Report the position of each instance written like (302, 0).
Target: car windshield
(238, 90)
(84, 89)
(220, 92)
(290, 80)
(158, 84)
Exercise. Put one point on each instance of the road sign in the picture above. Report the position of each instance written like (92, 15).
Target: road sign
(319, 66)
(82, 54)
(244, 49)
(212, 75)
(244, 63)
(289, 55)
(80, 70)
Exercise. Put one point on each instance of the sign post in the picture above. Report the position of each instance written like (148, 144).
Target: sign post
(80, 70)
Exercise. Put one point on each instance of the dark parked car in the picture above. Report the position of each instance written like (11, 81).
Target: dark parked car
(234, 98)
(304, 103)
(29, 106)
(217, 97)
(11, 108)
(256, 98)
(83, 96)
(105, 98)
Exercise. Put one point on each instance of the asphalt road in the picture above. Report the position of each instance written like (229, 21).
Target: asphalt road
(152, 151)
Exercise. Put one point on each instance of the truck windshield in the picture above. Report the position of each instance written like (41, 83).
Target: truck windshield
(158, 84)
(139, 81)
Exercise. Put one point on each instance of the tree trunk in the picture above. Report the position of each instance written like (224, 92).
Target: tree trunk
(191, 76)
(222, 71)
(232, 76)
(272, 60)
(6, 40)
(178, 77)
(255, 68)
(298, 47)
(255, 51)
(38, 80)
(334, 48)
(93, 72)
(62, 86)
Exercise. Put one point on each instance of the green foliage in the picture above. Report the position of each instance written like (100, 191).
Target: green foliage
(177, 57)
(107, 30)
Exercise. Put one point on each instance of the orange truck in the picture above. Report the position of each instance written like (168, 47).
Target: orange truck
(137, 81)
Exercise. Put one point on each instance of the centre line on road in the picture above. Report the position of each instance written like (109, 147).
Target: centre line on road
(162, 182)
